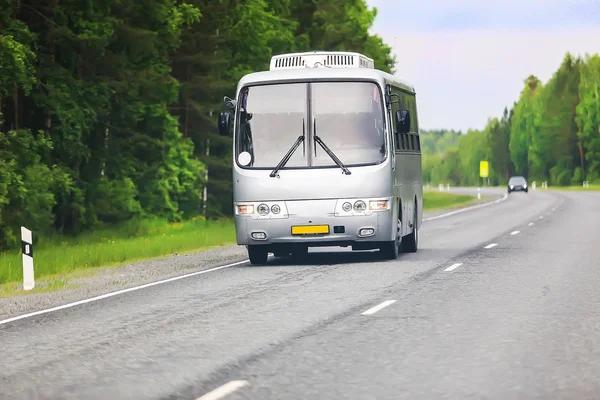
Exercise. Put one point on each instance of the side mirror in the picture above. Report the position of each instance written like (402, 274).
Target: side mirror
(403, 121)
(224, 123)
(229, 102)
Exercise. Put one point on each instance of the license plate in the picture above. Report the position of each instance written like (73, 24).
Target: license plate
(310, 229)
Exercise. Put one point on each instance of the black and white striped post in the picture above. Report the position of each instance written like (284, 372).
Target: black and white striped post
(27, 250)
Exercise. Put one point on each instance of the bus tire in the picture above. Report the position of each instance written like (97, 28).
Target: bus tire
(411, 242)
(390, 250)
(257, 255)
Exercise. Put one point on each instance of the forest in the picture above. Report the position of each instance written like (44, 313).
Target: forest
(108, 107)
(551, 134)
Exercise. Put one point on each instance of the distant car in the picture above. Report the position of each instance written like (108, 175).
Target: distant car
(517, 184)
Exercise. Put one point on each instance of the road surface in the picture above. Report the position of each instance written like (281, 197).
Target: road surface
(499, 302)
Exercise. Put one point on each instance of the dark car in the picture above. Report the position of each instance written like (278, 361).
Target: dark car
(517, 184)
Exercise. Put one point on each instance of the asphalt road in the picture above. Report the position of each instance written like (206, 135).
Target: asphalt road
(520, 319)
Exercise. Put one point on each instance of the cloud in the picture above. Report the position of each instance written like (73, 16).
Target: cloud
(475, 64)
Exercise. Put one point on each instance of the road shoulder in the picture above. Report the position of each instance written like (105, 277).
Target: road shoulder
(83, 285)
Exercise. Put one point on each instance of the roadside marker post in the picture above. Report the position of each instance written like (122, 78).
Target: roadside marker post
(478, 194)
(27, 250)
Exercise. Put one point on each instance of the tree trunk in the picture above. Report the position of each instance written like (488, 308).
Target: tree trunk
(79, 68)
(581, 152)
(16, 104)
(52, 59)
(205, 192)
(186, 125)
(597, 107)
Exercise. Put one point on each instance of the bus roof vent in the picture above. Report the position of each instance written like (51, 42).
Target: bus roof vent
(315, 59)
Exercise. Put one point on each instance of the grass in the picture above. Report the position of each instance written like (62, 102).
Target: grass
(578, 188)
(59, 257)
(439, 200)
(134, 241)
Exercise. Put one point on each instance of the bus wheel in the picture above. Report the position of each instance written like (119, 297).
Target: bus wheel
(389, 250)
(257, 254)
(411, 242)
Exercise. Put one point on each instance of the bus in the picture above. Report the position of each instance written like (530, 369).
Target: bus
(326, 152)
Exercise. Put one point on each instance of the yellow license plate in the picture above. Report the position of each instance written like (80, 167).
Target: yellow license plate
(310, 229)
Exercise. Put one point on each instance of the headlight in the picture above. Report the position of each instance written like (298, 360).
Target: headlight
(347, 207)
(275, 209)
(245, 209)
(525, 186)
(512, 186)
(378, 204)
(263, 209)
(360, 206)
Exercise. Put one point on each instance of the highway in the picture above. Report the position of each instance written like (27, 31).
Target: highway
(499, 302)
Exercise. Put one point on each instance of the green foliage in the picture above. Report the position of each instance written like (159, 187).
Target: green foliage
(27, 185)
(552, 133)
(16, 58)
(108, 108)
(588, 116)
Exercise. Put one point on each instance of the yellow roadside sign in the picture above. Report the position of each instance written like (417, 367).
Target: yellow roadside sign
(483, 169)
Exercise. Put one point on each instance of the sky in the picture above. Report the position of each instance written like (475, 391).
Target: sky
(468, 59)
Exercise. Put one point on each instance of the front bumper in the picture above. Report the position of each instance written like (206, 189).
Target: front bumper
(518, 189)
(343, 231)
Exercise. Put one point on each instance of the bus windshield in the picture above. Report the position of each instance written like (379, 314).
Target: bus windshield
(347, 116)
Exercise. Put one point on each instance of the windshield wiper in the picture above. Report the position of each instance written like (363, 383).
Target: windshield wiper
(289, 154)
(328, 150)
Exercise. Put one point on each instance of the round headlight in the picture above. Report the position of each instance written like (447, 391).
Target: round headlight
(263, 209)
(347, 207)
(275, 209)
(360, 206)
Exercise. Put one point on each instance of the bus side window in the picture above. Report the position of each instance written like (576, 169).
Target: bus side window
(400, 139)
(394, 136)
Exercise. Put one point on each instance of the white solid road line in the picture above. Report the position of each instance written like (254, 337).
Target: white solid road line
(107, 295)
(467, 209)
(223, 391)
(514, 233)
(378, 307)
(132, 289)
(489, 246)
(453, 267)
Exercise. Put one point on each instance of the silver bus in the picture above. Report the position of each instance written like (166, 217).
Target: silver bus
(326, 152)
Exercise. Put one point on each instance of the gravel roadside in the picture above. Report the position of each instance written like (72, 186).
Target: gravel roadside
(104, 280)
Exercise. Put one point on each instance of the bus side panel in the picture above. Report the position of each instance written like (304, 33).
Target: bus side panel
(407, 186)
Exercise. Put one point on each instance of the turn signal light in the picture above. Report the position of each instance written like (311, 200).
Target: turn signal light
(378, 204)
(246, 209)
